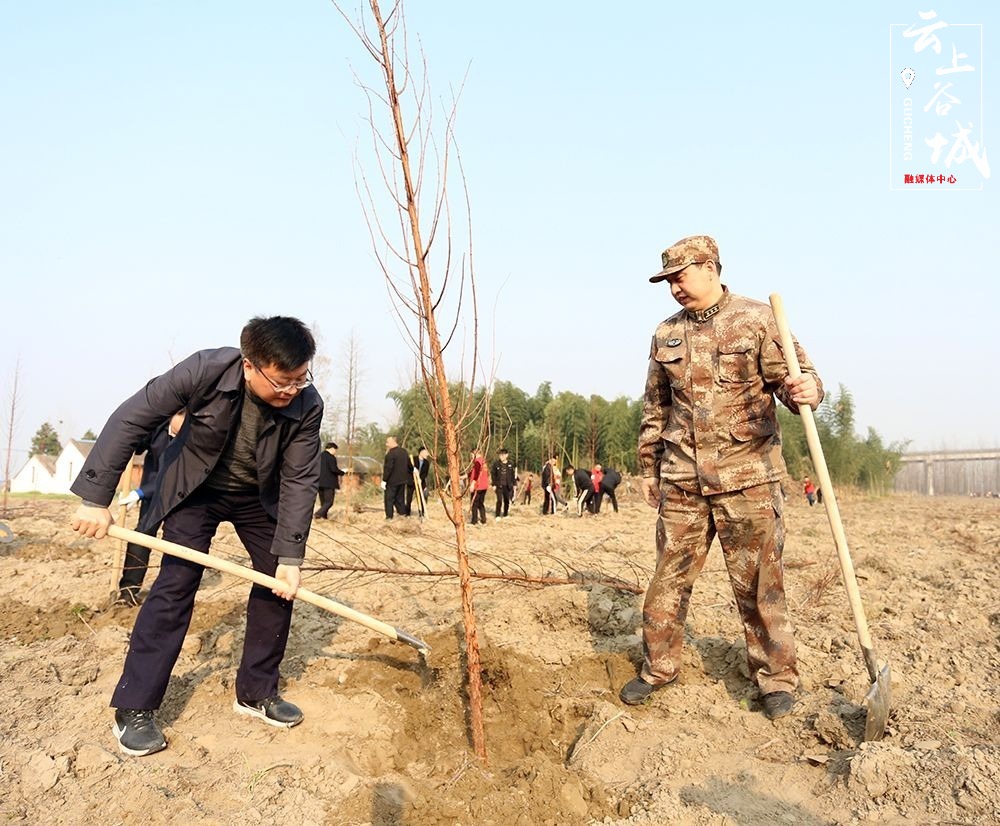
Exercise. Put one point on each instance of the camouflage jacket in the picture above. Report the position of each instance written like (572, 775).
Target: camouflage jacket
(708, 420)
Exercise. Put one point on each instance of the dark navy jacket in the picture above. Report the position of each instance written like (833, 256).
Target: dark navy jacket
(210, 385)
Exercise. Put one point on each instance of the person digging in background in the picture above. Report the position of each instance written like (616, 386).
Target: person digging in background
(583, 488)
(421, 469)
(397, 474)
(609, 484)
(249, 455)
(710, 454)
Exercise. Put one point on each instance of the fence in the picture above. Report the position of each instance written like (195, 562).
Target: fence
(950, 473)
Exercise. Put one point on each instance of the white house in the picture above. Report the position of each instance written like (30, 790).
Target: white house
(43, 474)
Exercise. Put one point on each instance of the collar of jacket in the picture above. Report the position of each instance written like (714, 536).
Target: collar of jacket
(704, 315)
(233, 381)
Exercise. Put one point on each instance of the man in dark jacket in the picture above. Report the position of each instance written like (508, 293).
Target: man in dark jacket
(248, 454)
(502, 476)
(397, 473)
(137, 556)
(329, 480)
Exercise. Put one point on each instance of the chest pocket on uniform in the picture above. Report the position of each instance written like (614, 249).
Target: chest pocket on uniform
(674, 361)
(738, 361)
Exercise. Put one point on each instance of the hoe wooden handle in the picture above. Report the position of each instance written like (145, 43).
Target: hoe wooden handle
(208, 561)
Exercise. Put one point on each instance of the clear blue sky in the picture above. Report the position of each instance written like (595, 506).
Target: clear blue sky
(168, 170)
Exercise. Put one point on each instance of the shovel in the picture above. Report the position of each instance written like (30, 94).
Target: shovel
(419, 491)
(878, 696)
(266, 581)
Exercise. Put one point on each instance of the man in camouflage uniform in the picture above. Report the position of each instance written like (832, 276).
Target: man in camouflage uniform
(710, 454)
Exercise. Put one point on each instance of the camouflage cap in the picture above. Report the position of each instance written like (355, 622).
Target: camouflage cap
(694, 249)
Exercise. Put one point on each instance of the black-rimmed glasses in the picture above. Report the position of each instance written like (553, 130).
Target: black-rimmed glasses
(286, 388)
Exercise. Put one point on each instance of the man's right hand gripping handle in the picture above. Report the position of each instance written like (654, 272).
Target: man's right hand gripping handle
(91, 520)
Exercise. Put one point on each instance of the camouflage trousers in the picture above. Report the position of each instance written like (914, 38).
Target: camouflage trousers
(751, 532)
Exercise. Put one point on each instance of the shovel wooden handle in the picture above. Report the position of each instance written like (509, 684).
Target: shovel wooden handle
(829, 497)
(303, 594)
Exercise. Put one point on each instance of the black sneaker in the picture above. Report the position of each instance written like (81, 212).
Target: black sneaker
(274, 711)
(137, 732)
(778, 704)
(637, 691)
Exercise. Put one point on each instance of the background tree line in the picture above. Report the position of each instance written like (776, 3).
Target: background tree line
(583, 430)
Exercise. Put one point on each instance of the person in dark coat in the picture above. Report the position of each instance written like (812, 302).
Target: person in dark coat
(137, 556)
(329, 480)
(397, 474)
(583, 487)
(502, 477)
(248, 454)
(609, 484)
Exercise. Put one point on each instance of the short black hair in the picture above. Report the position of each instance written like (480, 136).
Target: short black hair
(282, 341)
(331, 444)
(503, 450)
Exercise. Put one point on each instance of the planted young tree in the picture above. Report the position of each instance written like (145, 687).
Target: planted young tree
(351, 377)
(415, 166)
(352, 381)
(11, 427)
(321, 369)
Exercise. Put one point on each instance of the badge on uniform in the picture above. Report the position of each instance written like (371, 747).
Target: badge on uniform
(673, 342)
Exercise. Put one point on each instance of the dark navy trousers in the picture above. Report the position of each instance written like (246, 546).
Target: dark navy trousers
(164, 617)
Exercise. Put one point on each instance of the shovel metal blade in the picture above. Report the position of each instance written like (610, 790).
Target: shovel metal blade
(877, 700)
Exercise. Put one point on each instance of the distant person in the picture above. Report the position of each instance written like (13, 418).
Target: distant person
(582, 487)
(819, 495)
(502, 476)
(549, 473)
(529, 480)
(421, 469)
(249, 455)
(557, 485)
(809, 489)
(609, 484)
(479, 483)
(397, 473)
(137, 556)
(596, 477)
(329, 479)
(710, 454)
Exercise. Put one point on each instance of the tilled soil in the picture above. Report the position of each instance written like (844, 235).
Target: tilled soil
(385, 737)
